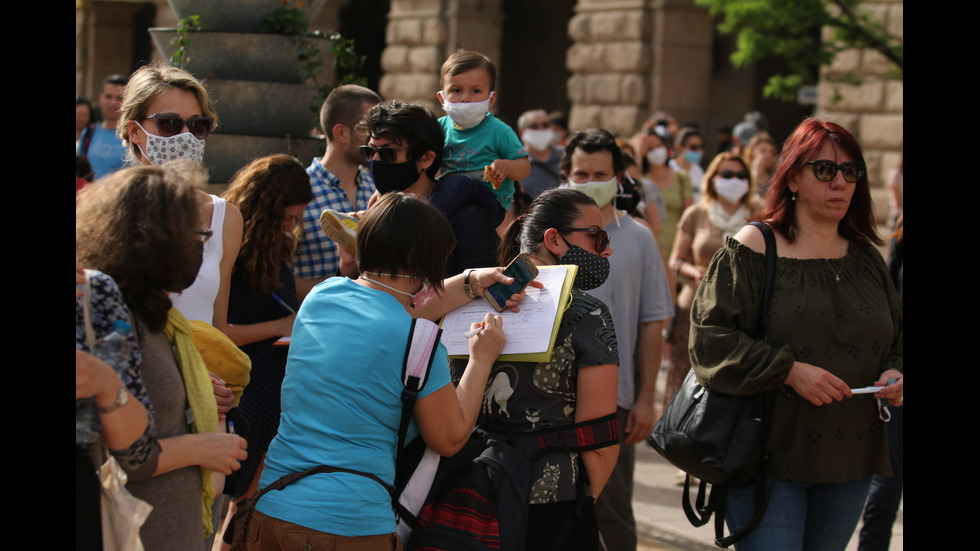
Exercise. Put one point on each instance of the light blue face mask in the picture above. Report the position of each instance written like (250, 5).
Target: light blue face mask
(693, 157)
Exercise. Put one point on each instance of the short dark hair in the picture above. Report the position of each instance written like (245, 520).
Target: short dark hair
(116, 79)
(467, 60)
(806, 140)
(592, 140)
(344, 105)
(404, 235)
(411, 124)
(555, 208)
(685, 134)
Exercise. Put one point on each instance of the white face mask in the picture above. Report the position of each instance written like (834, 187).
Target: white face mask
(159, 150)
(600, 192)
(419, 298)
(657, 155)
(467, 115)
(731, 189)
(538, 139)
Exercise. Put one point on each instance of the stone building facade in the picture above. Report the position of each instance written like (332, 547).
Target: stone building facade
(607, 63)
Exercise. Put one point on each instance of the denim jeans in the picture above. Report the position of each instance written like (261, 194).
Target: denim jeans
(801, 516)
(886, 493)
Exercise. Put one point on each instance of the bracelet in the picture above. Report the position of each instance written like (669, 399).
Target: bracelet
(121, 398)
(466, 284)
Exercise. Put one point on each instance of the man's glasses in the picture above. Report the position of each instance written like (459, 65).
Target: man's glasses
(741, 174)
(539, 125)
(170, 125)
(386, 154)
(825, 170)
(599, 236)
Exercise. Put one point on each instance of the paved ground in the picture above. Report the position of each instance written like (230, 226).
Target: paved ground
(661, 523)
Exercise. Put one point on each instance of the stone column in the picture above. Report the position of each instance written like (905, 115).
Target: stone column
(421, 33)
(633, 57)
(874, 109)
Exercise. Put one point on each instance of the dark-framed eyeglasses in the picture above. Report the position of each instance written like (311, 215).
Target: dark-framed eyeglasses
(386, 154)
(170, 125)
(741, 174)
(204, 234)
(825, 170)
(598, 235)
(538, 125)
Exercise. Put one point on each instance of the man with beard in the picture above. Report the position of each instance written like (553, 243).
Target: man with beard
(638, 298)
(340, 182)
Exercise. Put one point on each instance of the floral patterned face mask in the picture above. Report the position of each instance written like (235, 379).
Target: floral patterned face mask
(160, 150)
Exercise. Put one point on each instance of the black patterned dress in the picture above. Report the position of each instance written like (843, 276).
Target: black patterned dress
(528, 396)
(260, 403)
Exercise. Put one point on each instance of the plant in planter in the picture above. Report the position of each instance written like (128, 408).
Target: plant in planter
(293, 22)
(190, 23)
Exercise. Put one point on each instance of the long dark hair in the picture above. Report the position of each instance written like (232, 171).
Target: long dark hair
(139, 226)
(555, 208)
(779, 208)
(261, 191)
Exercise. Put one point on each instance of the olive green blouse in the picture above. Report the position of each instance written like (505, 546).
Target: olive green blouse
(851, 327)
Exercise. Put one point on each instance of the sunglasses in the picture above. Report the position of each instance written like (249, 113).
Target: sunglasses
(386, 154)
(600, 237)
(825, 170)
(741, 174)
(171, 125)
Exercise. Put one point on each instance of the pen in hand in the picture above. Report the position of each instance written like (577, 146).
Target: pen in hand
(284, 305)
(473, 332)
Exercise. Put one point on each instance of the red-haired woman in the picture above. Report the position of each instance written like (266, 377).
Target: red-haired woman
(835, 323)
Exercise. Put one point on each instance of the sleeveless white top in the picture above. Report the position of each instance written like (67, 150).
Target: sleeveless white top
(197, 301)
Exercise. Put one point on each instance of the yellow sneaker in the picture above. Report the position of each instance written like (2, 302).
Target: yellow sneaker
(340, 227)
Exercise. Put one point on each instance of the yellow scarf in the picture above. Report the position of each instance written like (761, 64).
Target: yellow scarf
(200, 396)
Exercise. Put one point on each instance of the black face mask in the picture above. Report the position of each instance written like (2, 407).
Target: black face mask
(593, 270)
(192, 269)
(390, 177)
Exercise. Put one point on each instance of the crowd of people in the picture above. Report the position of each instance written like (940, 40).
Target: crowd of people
(668, 278)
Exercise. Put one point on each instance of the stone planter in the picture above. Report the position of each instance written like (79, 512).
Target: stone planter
(225, 154)
(238, 15)
(241, 56)
(256, 81)
(263, 108)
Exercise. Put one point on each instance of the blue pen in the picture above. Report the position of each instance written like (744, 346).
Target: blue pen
(231, 427)
(284, 305)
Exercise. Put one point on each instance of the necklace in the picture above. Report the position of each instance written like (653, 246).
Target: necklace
(836, 272)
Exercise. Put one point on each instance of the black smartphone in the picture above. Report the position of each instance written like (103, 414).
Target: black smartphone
(522, 270)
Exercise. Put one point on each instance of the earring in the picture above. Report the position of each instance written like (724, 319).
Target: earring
(793, 197)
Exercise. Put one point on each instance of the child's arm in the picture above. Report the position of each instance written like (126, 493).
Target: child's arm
(516, 169)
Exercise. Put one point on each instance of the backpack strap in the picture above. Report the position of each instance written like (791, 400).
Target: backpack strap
(423, 337)
(587, 435)
(87, 137)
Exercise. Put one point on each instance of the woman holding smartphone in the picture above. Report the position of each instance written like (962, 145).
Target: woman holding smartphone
(563, 226)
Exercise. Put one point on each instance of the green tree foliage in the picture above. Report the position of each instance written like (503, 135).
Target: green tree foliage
(791, 30)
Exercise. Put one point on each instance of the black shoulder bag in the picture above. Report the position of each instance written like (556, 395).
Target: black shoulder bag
(720, 438)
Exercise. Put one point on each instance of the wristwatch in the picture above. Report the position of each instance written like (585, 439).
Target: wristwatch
(121, 398)
(466, 284)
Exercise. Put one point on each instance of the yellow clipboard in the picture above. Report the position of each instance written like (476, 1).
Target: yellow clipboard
(564, 299)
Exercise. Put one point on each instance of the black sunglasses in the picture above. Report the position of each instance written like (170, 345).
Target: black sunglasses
(732, 174)
(170, 125)
(825, 170)
(386, 154)
(600, 237)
